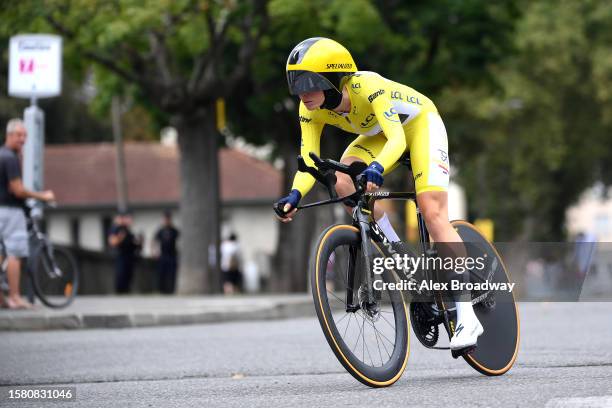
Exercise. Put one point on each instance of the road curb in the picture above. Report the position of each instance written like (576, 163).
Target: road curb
(56, 320)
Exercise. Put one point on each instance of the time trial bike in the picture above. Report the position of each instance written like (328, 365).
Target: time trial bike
(365, 324)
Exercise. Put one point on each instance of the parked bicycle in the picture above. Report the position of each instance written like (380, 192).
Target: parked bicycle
(52, 270)
(367, 329)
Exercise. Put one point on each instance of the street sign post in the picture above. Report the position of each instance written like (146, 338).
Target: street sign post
(35, 66)
(35, 71)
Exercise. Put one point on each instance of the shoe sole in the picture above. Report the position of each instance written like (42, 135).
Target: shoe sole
(467, 346)
(463, 352)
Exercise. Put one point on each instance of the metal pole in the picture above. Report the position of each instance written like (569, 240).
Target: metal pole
(33, 155)
(122, 188)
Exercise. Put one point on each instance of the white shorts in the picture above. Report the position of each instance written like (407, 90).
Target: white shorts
(14, 232)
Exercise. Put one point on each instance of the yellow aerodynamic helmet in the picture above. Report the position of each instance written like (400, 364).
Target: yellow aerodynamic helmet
(318, 64)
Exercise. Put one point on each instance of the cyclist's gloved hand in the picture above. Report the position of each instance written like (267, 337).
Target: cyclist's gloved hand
(292, 199)
(374, 173)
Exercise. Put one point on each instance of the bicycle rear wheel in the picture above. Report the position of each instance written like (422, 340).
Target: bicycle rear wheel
(498, 345)
(54, 275)
(370, 341)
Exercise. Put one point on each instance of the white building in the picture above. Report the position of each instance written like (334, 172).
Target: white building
(592, 214)
(83, 178)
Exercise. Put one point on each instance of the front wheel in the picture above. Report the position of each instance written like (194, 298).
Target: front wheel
(371, 340)
(54, 275)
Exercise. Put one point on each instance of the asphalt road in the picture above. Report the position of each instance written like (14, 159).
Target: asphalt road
(565, 360)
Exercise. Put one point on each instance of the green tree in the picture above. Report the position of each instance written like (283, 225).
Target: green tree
(544, 138)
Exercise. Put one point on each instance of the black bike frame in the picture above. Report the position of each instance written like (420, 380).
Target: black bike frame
(364, 220)
(383, 195)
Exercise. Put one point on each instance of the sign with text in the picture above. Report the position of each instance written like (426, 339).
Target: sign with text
(35, 66)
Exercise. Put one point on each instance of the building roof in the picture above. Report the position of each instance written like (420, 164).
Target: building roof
(83, 175)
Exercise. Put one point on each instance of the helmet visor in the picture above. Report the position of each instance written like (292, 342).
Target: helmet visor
(301, 82)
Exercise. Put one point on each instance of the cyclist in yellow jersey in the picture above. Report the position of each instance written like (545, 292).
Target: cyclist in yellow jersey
(390, 119)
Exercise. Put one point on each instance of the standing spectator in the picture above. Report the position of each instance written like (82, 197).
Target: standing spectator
(13, 229)
(167, 261)
(230, 265)
(584, 248)
(127, 246)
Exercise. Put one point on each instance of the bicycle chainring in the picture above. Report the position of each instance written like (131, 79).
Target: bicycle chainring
(424, 324)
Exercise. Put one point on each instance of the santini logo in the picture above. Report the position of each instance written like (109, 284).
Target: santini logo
(339, 66)
(375, 95)
(305, 120)
(368, 151)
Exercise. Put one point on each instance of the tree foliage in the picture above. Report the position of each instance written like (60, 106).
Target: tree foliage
(545, 137)
(523, 88)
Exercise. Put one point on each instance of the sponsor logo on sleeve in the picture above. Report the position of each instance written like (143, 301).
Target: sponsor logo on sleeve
(368, 122)
(413, 99)
(356, 87)
(442, 162)
(443, 155)
(375, 95)
(391, 115)
(365, 149)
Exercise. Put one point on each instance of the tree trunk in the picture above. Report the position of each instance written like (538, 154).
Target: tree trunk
(199, 205)
(121, 179)
(290, 264)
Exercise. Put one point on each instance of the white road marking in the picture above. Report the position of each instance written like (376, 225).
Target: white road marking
(604, 401)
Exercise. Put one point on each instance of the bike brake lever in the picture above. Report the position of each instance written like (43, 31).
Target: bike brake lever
(316, 159)
(278, 209)
(361, 183)
(304, 168)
